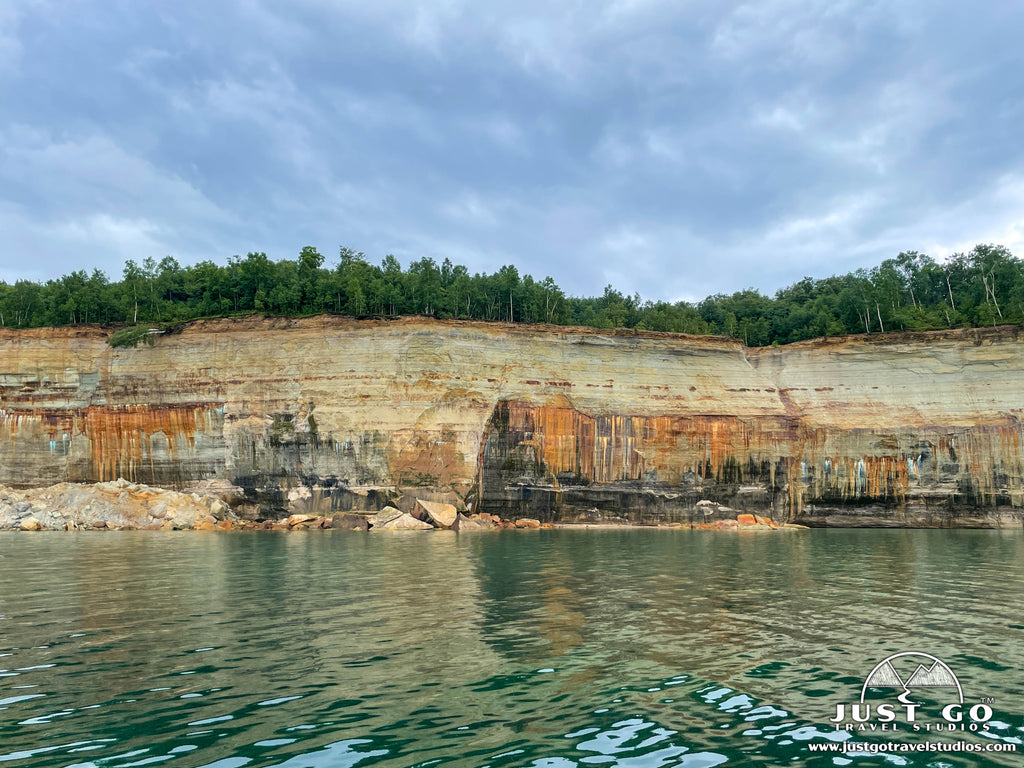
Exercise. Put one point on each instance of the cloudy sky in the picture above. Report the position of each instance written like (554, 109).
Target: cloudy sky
(674, 149)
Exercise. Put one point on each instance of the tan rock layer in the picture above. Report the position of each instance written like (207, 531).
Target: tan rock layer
(331, 403)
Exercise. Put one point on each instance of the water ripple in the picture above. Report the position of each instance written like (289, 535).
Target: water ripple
(622, 648)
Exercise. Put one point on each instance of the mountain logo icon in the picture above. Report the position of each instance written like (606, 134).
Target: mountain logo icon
(927, 672)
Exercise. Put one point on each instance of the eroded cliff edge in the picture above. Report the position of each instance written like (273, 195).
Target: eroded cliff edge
(550, 422)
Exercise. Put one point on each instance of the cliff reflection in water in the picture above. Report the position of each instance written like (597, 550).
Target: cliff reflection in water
(503, 649)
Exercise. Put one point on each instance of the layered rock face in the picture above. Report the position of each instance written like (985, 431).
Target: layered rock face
(527, 421)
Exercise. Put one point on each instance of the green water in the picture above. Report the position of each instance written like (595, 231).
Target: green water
(517, 648)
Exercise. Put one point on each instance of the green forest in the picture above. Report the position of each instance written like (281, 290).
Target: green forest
(909, 292)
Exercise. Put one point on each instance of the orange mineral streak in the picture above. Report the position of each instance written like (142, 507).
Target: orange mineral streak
(428, 459)
(52, 425)
(121, 438)
(883, 477)
(990, 456)
(815, 463)
(607, 448)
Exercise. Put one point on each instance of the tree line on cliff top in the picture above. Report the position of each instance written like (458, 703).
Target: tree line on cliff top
(909, 292)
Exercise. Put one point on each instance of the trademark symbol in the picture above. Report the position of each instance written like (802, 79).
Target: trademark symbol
(987, 700)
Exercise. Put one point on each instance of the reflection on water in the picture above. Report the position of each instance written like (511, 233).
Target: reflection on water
(519, 648)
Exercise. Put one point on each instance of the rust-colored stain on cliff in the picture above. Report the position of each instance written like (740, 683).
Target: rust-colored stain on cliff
(53, 424)
(120, 438)
(929, 419)
(879, 477)
(610, 447)
(425, 458)
(727, 449)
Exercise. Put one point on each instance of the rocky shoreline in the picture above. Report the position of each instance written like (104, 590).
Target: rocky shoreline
(121, 505)
(117, 505)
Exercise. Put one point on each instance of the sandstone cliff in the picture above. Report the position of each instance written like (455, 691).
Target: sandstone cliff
(546, 422)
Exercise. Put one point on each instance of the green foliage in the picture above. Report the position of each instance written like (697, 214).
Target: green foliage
(281, 431)
(133, 334)
(909, 292)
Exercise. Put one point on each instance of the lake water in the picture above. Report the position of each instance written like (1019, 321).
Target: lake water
(627, 647)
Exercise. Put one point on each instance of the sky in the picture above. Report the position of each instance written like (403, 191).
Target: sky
(672, 149)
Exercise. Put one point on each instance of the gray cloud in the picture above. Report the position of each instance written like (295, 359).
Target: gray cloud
(674, 150)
